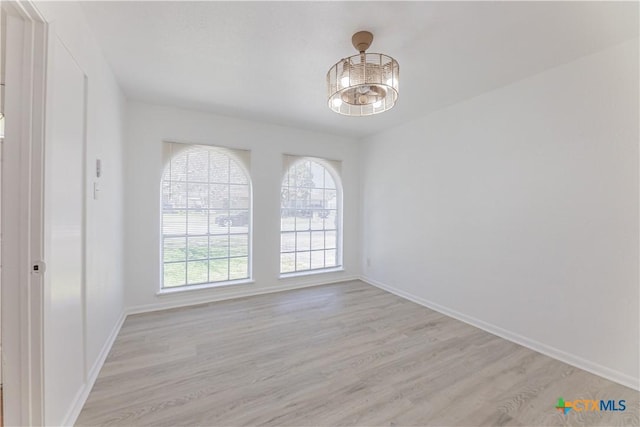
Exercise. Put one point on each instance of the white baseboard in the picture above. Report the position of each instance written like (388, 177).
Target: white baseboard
(571, 359)
(553, 352)
(92, 375)
(241, 293)
(83, 393)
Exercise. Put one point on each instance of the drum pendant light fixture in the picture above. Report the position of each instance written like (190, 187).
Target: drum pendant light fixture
(363, 84)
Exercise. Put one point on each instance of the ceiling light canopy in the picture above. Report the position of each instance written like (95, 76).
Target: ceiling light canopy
(363, 84)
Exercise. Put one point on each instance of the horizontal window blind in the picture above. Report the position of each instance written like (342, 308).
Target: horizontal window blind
(290, 159)
(206, 214)
(172, 148)
(310, 215)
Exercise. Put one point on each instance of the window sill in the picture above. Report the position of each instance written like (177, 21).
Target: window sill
(311, 272)
(180, 289)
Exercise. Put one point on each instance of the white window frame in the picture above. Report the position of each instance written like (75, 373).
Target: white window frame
(333, 168)
(231, 153)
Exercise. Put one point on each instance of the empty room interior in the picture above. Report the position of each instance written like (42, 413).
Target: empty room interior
(320, 213)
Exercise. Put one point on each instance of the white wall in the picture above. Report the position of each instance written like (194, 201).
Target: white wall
(518, 211)
(105, 109)
(149, 125)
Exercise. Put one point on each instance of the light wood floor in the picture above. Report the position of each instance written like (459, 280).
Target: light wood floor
(344, 354)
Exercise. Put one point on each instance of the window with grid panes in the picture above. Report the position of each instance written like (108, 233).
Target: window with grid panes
(310, 218)
(206, 218)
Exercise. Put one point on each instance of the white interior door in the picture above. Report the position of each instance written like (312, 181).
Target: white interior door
(3, 37)
(64, 370)
(24, 51)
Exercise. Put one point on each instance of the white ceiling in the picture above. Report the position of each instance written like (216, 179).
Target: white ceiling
(267, 61)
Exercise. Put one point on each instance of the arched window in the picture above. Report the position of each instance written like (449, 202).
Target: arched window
(310, 211)
(206, 217)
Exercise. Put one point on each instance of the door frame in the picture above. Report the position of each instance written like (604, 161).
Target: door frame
(22, 220)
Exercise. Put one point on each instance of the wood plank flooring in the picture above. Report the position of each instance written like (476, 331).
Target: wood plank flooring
(343, 354)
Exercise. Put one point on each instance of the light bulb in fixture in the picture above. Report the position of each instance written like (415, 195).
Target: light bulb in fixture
(366, 83)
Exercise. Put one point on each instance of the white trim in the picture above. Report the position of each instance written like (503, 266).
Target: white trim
(241, 293)
(22, 220)
(85, 235)
(106, 348)
(201, 286)
(333, 168)
(244, 164)
(81, 398)
(571, 359)
(294, 274)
